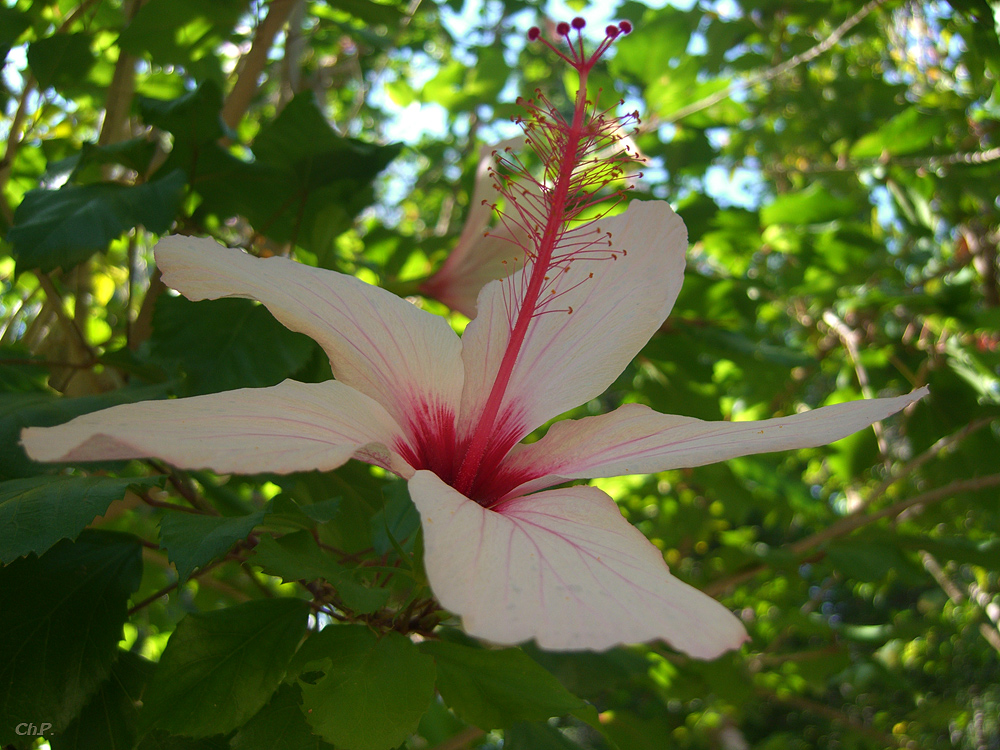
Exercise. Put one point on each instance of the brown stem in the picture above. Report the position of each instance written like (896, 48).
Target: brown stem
(251, 65)
(183, 488)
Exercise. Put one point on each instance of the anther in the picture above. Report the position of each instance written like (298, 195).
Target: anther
(611, 31)
(533, 33)
(625, 27)
(562, 28)
(578, 23)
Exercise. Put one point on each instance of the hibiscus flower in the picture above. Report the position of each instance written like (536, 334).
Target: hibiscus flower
(516, 560)
(505, 547)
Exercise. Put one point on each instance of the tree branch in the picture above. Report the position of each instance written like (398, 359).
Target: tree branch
(857, 520)
(251, 65)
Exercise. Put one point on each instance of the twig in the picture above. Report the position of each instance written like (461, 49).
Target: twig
(245, 567)
(170, 587)
(929, 163)
(717, 587)
(850, 338)
(160, 560)
(142, 328)
(859, 519)
(168, 506)
(120, 91)
(183, 488)
(941, 445)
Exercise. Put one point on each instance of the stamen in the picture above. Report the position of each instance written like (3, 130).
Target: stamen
(586, 168)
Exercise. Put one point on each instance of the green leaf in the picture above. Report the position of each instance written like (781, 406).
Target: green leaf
(284, 510)
(220, 668)
(62, 620)
(36, 513)
(374, 690)
(193, 540)
(813, 205)
(164, 741)
(371, 13)
(110, 719)
(656, 43)
(182, 32)
(458, 87)
(312, 181)
(61, 228)
(13, 23)
(911, 130)
(296, 557)
(280, 725)
(397, 521)
(194, 118)
(220, 343)
(61, 61)
(20, 410)
(494, 689)
(134, 154)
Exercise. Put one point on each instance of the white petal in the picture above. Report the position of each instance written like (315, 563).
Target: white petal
(473, 263)
(288, 427)
(562, 567)
(569, 358)
(634, 439)
(404, 358)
